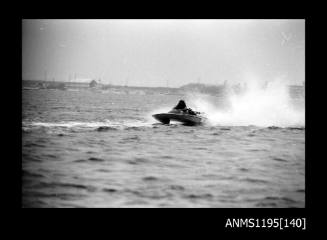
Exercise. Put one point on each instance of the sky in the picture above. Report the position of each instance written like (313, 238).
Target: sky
(166, 52)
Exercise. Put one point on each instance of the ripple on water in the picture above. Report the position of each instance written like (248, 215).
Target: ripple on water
(74, 185)
(300, 191)
(254, 180)
(274, 201)
(149, 193)
(205, 196)
(268, 205)
(130, 139)
(138, 160)
(52, 185)
(27, 173)
(296, 128)
(51, 156)
(274, 127)
(33, 144)
(94, 159)
(106, 128)
(33, 203)
(176, 187)
(135, 128)
(150, 178)
(80, 161)
(110, 190)
(36, 195)
(256, 150)
(104, 170)
(244, 169)
(28, 158)
(279, 159)
(216, 133)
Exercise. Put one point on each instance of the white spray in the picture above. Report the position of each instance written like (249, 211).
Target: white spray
(257, 104)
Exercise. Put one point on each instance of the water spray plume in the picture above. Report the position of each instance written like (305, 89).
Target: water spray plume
(258, 103)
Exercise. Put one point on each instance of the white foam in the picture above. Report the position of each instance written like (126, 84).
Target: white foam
(85, 125)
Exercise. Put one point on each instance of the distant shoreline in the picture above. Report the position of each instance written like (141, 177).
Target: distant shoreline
(108, 85)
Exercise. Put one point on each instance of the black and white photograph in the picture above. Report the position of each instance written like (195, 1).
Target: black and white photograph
(163, 113)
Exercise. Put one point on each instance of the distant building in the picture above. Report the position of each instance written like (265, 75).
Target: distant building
(42, 85)
(58, 85)
(93, 84)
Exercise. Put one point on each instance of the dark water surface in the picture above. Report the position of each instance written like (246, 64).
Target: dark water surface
(96, 149)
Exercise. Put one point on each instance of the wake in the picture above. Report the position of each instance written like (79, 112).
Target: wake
(78, 125)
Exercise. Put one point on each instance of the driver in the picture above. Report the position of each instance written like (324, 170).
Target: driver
(182, 106)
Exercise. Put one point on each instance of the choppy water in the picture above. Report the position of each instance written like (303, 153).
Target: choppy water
(95, 149)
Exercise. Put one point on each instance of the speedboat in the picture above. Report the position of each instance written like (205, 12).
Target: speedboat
(179, 116)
